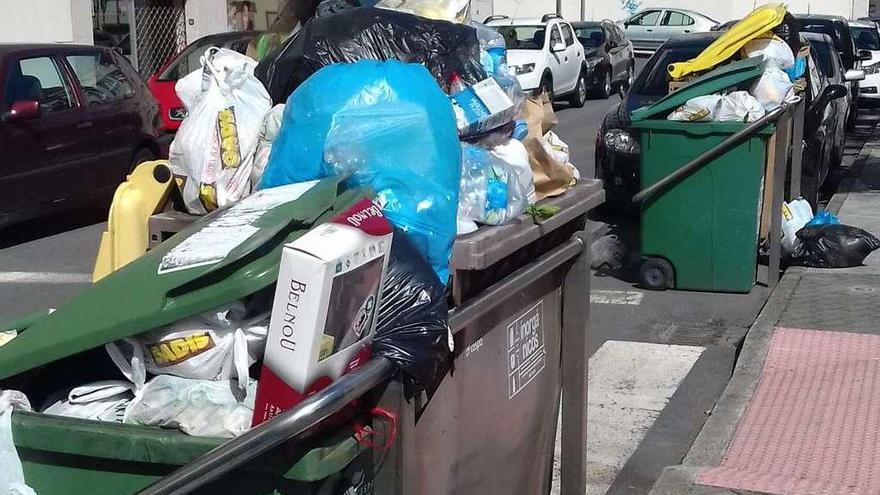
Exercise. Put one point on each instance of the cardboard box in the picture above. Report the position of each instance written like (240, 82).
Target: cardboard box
(324, 313)
(482, 107)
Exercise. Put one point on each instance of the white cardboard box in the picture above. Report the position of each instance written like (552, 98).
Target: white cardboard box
(323, 316)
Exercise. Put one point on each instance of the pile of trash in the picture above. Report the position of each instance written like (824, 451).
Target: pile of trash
(363, 144)
(756, 36)
(821, 241)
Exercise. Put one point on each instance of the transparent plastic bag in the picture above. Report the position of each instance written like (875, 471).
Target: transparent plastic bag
(441, 10)
(386, 125)
(268, 133)
(515, 154)
(490, 191)
(773, 88)
(699, 109)
(213, 151)
(776, 53)
(11, 472)
(739, 106)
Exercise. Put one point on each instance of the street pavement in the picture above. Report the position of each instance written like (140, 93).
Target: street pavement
(659, 359)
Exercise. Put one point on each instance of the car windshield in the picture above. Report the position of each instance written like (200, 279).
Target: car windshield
(590, 36)
(523, 37)
(832, 29)
(655, 78)
(188, 60)
(823, 55)
(866, 38)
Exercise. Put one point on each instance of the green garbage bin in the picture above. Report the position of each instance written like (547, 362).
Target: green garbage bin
(67, 456)
(701, 233)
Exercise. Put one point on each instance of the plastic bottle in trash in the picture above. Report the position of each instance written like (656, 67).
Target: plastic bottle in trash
(456, 84)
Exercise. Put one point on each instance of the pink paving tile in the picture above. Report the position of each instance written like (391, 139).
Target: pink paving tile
(813, 424)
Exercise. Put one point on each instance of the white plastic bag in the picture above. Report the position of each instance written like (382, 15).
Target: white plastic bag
(698, 109)
(795, 216)
(213, 151)
(99, 401)
(201, 408)
(11, 472)
(773, 88)
(441, 10)
(515, 154)
(216, 345)
(777, 54)
(268, 133)
(739, 106)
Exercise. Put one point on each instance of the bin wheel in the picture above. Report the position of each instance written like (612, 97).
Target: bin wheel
(657, 274)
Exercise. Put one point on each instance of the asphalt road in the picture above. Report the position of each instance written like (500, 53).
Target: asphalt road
(46, 262)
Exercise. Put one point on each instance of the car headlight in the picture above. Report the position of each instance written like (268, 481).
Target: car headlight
(524, 69)
(178, 113)
(871, 69)
(622, 142)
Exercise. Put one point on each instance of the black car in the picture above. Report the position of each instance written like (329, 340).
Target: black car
(617, 149)
(609, 56)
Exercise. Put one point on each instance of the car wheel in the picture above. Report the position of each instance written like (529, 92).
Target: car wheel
(603, 88)
(579, 97)
(547, 86)
(142, 155)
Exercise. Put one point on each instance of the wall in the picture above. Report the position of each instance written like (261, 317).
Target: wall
(263, 6)
(571, 9)
(46, 21)
(204, 17)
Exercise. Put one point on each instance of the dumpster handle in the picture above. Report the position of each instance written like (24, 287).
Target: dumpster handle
(731, 142)
(268, 435)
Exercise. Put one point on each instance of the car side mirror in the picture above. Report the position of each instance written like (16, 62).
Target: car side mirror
(864, 55)
(831, 93)
(558, 47)
(854, 75)
(22, 110)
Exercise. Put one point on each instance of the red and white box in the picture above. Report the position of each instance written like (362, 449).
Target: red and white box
(324, 313)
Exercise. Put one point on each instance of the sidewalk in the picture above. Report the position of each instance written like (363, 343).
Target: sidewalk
(833, 301)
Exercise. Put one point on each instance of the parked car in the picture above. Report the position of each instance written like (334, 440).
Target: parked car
(162, 82)
(650, 28)
(867, 37)
(552, 63)
(830, 66)
(617, 149)
(74, 120)
(609, 56)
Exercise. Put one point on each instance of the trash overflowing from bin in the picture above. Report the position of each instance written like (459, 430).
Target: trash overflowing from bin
(323, 190)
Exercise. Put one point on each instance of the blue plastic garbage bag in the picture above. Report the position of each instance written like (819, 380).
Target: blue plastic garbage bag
(391, 127)
(824, 217)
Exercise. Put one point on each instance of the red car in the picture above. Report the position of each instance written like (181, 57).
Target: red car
(162, 82)
(74, 121)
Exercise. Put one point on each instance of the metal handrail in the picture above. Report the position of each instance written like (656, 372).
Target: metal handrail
(286, 426)
(731, 142)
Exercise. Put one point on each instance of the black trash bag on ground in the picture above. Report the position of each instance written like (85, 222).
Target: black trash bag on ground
(411, 327)
(834, 246)
(367, 33)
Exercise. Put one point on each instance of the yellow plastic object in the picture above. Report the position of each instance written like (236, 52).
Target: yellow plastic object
(143, 194)
(753, 26)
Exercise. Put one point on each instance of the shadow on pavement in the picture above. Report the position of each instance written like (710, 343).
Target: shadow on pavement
(58, 223)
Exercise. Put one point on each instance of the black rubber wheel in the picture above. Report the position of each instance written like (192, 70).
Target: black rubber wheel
(657, 274)
(547, 86)
(579, 97)
(142, 155)
(604, 87)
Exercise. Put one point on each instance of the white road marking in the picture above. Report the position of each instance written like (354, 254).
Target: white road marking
(44, 278)
(630, 384)
(626, 297)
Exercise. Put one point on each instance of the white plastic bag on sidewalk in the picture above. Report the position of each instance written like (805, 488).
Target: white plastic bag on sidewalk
(739, 106)
(213, 151)
(773, 88)
(216, 345)
(200, 408)
(11, 472)
(99, 401)
(775, 52)
(698, 109)
(515, 154)
(795, 216)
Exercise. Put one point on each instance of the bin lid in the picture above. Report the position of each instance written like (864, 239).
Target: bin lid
(716, 81)
(225, 256)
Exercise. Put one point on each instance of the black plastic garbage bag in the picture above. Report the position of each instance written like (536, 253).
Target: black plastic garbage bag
(367, 33)
(834, 246)
(412, 329)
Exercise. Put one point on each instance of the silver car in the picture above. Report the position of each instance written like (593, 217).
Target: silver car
(651, 27)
